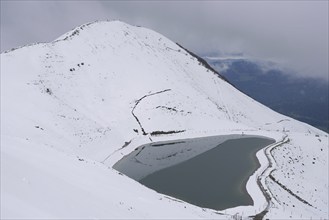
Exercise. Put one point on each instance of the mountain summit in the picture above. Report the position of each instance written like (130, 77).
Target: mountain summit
(73, 107)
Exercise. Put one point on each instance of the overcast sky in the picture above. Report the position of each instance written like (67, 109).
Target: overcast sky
(292, 32)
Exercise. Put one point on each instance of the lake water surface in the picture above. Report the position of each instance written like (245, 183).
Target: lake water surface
(213, 179)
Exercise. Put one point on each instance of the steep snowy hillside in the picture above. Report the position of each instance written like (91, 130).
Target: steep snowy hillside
(304, 99)
(72, 108)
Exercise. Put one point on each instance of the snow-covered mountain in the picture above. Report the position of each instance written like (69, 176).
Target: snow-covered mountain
(71, 108)
(304, 99)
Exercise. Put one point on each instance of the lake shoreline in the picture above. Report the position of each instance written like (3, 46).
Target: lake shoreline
(240, 191)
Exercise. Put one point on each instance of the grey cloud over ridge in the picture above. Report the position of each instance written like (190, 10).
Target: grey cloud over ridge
(292, 32)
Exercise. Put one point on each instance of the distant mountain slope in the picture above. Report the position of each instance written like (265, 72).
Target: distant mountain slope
(72, 108)
(305, 99)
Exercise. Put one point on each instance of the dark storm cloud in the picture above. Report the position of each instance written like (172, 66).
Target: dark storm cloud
(293, 32)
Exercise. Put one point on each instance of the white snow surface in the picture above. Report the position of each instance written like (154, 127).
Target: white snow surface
(66, 112)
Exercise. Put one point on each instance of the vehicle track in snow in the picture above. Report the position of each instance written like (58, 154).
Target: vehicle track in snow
(267, 172)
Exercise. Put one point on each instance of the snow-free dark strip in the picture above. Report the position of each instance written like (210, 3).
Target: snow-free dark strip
(138, 101)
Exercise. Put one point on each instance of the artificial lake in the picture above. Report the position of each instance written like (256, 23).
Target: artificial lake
(209, 172)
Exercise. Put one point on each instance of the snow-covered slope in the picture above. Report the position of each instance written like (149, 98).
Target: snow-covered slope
(73, 107)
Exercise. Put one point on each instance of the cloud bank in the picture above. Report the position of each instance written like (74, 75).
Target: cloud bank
(294, 33)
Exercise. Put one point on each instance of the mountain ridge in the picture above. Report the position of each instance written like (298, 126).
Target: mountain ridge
(78, 93)
(305, 99)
